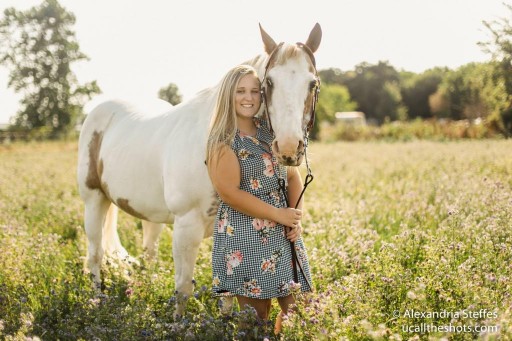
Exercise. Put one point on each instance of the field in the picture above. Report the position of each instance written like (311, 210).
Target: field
(406, 241)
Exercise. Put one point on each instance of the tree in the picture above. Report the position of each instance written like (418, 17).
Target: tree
(39, 46)
(417, 89)
(474, 90)
(332, 76)
(170, 93)
(376, 89)
(500, 47)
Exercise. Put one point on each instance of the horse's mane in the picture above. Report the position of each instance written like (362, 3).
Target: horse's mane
(288, 51)
(258, 63)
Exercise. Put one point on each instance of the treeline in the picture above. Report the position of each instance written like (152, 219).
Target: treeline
(476, 92)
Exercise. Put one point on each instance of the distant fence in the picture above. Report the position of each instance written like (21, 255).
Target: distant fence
(11, 136)
(38, 134)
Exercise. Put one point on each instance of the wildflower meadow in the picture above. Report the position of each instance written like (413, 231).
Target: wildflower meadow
(407, 241)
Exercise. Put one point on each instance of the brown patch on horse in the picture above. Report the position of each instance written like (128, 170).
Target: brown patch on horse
(93, 180)
(308, 107)
(124, 204)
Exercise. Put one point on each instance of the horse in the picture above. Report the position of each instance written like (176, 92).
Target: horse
(151, 164)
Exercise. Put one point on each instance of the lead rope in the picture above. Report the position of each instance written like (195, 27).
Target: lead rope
(282, 186)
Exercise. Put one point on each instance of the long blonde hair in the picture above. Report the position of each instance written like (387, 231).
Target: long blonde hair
(223, 125)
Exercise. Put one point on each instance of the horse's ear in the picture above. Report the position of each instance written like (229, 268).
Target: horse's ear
(268, 42)
(314, 38)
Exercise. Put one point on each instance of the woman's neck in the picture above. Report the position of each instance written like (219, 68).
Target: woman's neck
(247, 126)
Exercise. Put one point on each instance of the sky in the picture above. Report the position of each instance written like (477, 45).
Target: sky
(137, 47)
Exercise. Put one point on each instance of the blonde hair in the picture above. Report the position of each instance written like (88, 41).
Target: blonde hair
(223, 125)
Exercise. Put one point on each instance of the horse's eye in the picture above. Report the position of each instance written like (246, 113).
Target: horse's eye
(269, 82)
(312, 85)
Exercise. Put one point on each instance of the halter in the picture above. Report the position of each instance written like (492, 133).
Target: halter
(316, 89)
(309, 177)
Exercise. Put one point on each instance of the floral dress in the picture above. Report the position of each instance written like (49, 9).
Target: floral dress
(251, 257)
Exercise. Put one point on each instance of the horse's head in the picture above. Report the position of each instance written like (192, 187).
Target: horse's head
(290, 88)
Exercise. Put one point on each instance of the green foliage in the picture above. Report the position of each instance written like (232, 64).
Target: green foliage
(171, 94)
(375, 89)
(389, 227)
(332, 76)
(39, 46)
(332, 99)
(461, 90)
(416, 90)
(500, 47)
(475, 90)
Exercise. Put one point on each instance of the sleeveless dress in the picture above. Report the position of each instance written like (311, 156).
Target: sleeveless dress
(252, 257)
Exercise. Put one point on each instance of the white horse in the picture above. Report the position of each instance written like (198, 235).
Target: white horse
(152, 165)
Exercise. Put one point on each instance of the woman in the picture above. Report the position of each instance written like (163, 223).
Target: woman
(251, 250)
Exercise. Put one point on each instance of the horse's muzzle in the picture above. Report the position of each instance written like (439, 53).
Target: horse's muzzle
(290, 154)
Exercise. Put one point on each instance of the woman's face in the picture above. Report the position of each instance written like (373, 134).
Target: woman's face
(247, 96)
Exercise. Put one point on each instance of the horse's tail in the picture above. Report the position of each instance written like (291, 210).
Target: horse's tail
(111, 242)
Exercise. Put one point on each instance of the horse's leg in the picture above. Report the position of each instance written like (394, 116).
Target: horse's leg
(111, 242)
(96, 207)
(187, 237)
(151, 233)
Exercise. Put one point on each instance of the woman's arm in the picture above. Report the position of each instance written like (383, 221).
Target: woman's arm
(225, 174)
(294, 189)
(294, 186)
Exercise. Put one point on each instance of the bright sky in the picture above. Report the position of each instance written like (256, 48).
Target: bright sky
(138, 47)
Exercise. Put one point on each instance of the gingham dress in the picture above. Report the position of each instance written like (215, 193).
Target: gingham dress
(252, 257)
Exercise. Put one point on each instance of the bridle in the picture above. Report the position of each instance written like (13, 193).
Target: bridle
(309, 177)
(315, 89)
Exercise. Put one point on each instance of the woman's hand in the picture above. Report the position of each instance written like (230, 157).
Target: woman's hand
(293, 233)
(291, 219)
(288, 216)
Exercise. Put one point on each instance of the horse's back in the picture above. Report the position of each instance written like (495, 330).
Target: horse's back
(148, 162)
(120, 157)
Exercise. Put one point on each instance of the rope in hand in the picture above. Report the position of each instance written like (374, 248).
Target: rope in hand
(282, 186)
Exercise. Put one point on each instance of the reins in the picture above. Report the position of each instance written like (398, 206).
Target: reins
(295, 260)
(309, 177)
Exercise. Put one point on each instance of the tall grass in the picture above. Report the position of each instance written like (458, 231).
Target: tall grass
(390, 228)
